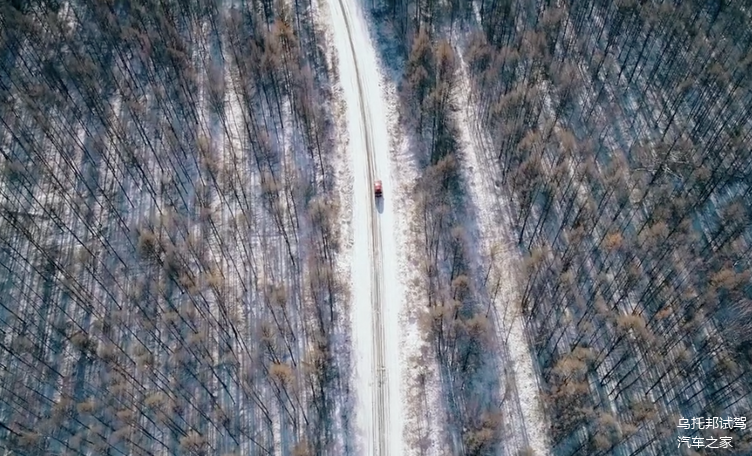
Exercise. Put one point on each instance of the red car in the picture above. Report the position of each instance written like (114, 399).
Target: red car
(377, 189)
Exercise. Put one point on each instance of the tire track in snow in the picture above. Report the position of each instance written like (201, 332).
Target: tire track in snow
(380, 394)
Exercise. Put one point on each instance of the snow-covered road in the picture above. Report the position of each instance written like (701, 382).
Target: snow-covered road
(376, 291)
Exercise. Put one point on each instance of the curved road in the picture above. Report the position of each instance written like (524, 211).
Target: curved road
(378, 429)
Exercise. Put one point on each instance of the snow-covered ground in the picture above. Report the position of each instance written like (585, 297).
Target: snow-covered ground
(377, 294)
(343, 188)
(493, 216)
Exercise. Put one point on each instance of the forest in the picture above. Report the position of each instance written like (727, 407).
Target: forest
(166, 231)
(621, 135)
(171, 223)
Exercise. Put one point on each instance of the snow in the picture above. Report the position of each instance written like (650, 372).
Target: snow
(367, 124)
(362, 336)
(422, 414)
(343, 188)
(478, 170)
